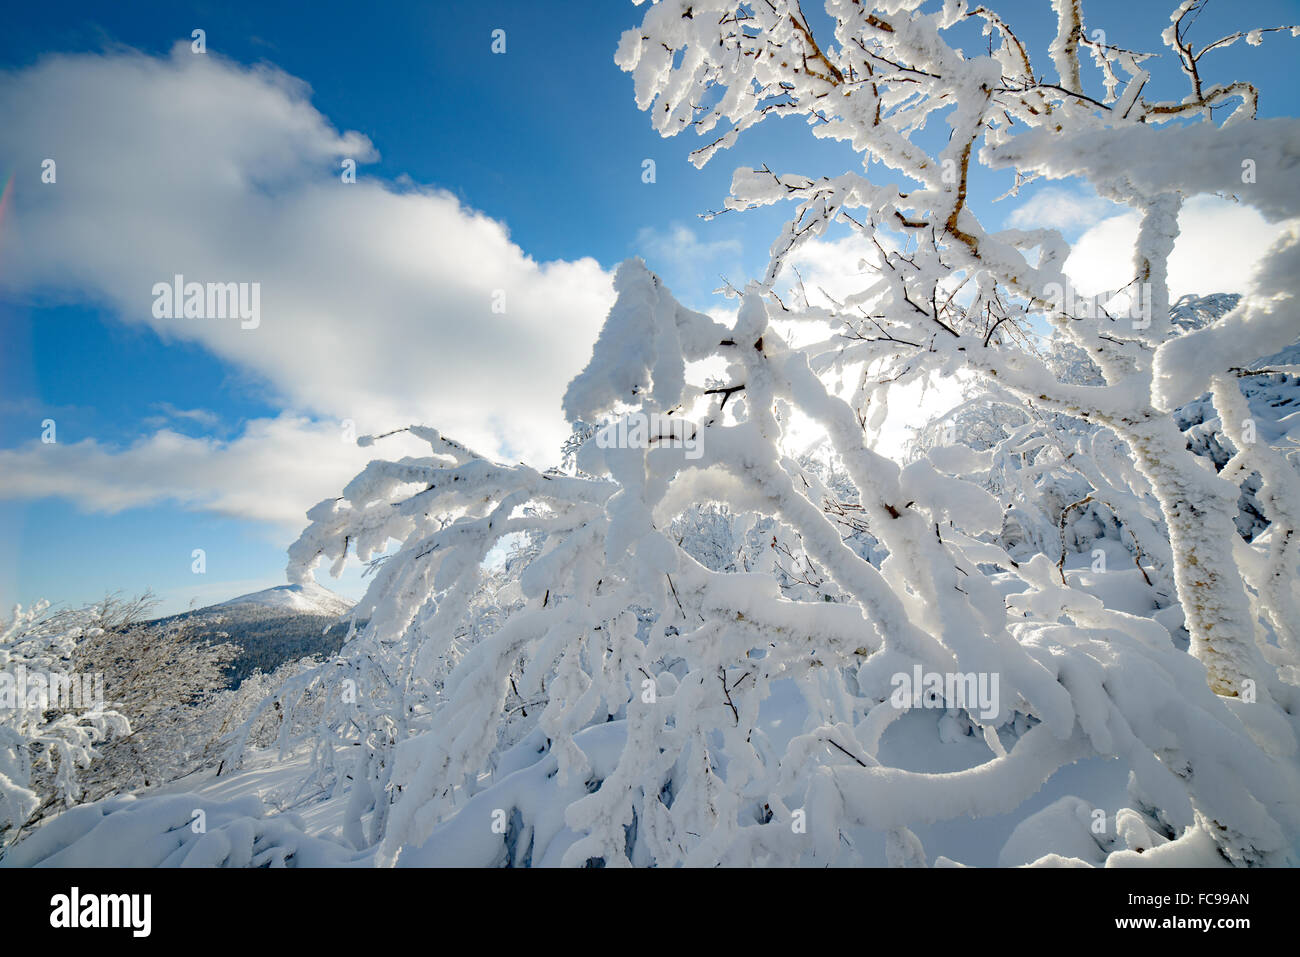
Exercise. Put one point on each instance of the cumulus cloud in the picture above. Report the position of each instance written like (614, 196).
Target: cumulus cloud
(380, 303)
(170, 413)
(1218, 247)
(831, 269)
(272, 472)
(1054, 207)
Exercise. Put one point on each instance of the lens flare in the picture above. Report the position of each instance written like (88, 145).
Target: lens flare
(5, 195)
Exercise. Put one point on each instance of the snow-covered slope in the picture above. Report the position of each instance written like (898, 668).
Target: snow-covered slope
(308, 599)
(276, 625)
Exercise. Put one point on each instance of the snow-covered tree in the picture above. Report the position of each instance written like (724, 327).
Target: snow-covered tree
(145, 696)
(891, 69)
(642, 685)
(48, 735)
(163, 677)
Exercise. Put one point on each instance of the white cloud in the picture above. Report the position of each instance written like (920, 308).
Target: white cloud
(837, 268)
(376, 301)
(1056, 208)
(273, 472)
(1217, 249)
(203, 417)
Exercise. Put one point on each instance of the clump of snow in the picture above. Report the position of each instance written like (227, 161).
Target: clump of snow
(176, 830)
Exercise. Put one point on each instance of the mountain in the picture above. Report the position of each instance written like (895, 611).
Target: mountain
(308, 599)
(275, 625)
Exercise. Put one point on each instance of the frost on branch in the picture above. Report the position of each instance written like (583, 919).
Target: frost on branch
(967, 296)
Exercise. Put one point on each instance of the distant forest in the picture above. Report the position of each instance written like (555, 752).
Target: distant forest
(267, 637)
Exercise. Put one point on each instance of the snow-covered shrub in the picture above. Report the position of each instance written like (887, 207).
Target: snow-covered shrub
(690, 703)
(154, 685)
(46, 744)
(620, 624)
(163, 677)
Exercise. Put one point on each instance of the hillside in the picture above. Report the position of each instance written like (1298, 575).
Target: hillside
(275, 625)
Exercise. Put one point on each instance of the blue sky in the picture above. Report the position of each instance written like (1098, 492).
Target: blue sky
(477, 172)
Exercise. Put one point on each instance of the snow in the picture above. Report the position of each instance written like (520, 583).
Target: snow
(182, 830)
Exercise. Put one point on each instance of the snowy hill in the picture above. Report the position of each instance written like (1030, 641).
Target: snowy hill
(275, 625)
(308, 599)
